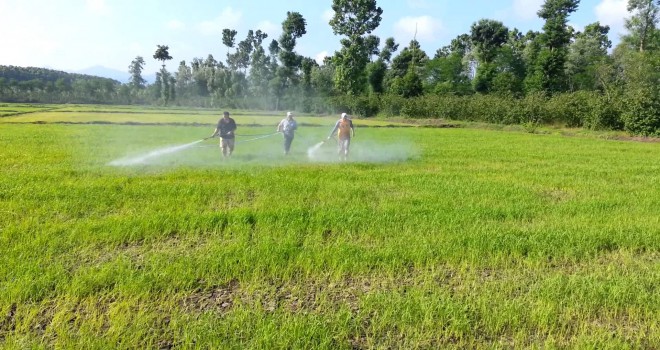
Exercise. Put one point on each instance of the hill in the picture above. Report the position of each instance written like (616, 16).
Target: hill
(19, 74)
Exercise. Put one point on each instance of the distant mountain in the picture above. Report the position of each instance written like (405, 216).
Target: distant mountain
(115, 74)
(19, 74)
(105, 72)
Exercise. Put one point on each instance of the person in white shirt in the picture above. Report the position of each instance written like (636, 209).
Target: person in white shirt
(287, 127)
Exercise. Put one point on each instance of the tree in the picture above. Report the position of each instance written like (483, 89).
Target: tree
(164, 80)
(587, 52)
(411, 57)
(241, 58)
(183, 78)
(549, 65)
(135, 69)
(642, 25)
(353, 19)
(162, 54)
(260, 72)
(487, 37)
(377, 70)
(229, 39)
(293, 28)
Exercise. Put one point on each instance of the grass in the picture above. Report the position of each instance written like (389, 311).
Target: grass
(428, 238)
(92, 114)
(9, 109)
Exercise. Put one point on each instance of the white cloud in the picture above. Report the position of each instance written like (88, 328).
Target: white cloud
(321, 56)
(527, 9)
(268, 27)
(327, 15)
(426, 28)
(175, 24)
(228, 18)
(612, 13)
(98, 7)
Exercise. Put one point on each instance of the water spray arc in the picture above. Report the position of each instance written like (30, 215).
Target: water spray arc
(142, 159)
(153, 154)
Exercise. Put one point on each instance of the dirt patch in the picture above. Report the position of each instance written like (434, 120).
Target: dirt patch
(8, 322)
(637, 139)
(217, 299)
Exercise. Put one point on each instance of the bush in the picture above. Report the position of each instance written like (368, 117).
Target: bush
(391, 105)
(641, 114)
(641, 99)
(571, 109)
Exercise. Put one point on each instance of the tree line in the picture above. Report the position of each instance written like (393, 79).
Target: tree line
(491, 73)
(33, 84)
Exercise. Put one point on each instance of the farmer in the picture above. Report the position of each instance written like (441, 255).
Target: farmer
(226, 127)
(287, 127)
(345, 130)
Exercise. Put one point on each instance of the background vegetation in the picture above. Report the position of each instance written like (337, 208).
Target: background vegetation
(556, 75)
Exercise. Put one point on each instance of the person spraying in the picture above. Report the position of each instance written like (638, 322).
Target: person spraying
(287, 127)
(345, 131)
(225, 129)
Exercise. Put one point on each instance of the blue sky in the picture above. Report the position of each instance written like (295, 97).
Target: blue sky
(77, 34)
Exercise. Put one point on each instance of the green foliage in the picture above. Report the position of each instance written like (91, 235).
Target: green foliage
(586, 109)
(487, 37)
(162, 54)
(411, 57)
(353, 19)
(549, 70)
(517, 78)
(376, 76)
(641, 99)
(135, 70)
(586, 54)
(644, 33)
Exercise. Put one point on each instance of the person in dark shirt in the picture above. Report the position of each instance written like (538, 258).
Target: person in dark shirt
(225, 129)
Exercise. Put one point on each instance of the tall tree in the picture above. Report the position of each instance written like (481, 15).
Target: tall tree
(377, 70)
(487, 37)
(260, 72)
(286, 73)
(585, 55)
(229, 40)
(404, 76)
(241, 58)
(162, 54)
(448, 71)
(135, 69)
(293, 28)
(643, 25)
(183, 78)
(353, 19)
(411, 57)
(165, 81)
(549, 65)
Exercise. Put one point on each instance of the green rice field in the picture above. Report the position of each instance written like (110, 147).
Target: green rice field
(427, 238)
